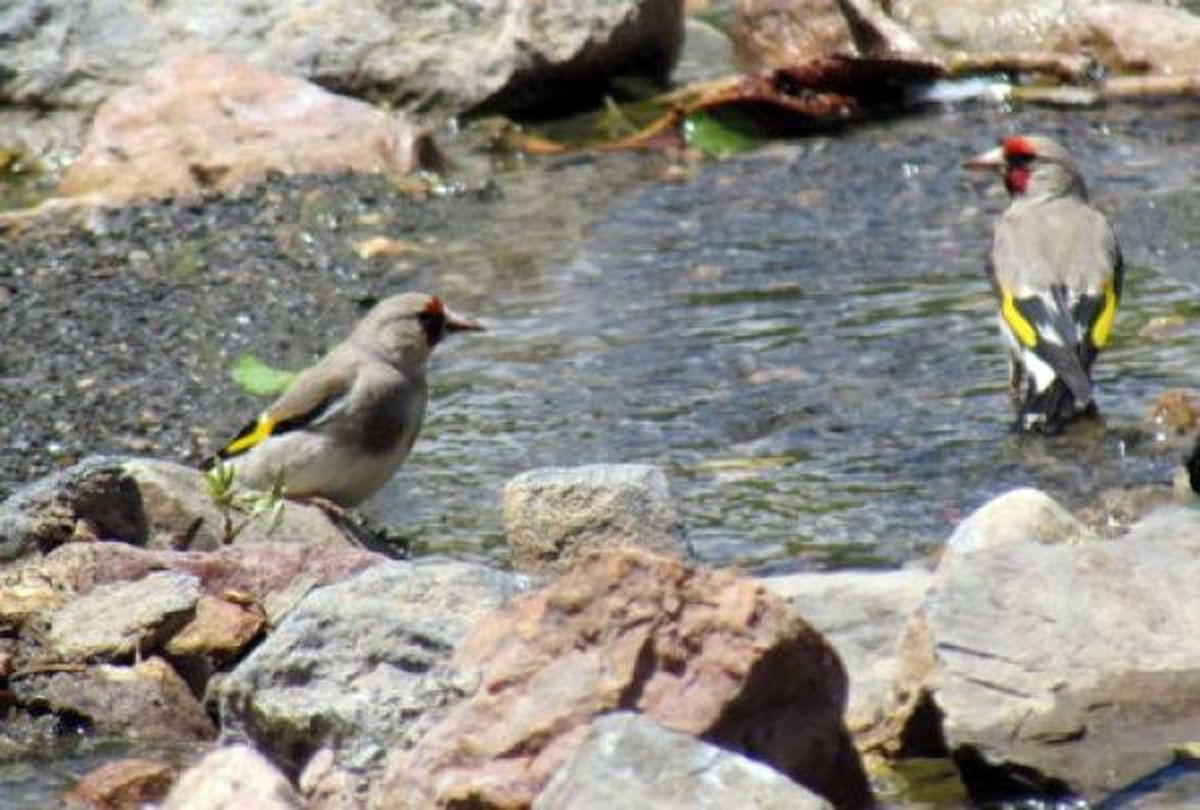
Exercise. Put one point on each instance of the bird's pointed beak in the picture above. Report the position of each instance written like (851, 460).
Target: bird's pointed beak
(992, 159)
(459, 323)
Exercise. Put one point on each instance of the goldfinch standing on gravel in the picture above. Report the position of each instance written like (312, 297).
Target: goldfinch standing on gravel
(346, 424)
(1056, 269)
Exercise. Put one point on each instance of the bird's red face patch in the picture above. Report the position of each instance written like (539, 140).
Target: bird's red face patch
(433, 320)
(1016, 146)
(1018, 155)
(1016, 179)
(435, 307)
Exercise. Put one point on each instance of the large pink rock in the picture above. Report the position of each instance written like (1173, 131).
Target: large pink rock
(707, 653)
(206, 121)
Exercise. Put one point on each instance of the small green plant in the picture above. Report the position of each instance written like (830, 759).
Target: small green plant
(241, 507)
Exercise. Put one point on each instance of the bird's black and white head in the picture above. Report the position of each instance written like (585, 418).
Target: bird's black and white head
(1033, 166)
(405, 328)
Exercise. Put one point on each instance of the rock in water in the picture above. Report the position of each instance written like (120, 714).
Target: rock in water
(554, 515)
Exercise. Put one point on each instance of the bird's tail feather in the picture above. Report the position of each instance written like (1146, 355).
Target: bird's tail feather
(1069, 367)
(1050, 410)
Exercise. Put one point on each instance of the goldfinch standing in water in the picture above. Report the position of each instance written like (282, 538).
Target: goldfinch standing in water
(346, 424)
(1056, 269)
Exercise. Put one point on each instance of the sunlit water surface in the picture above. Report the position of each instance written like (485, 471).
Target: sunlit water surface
(802, 337)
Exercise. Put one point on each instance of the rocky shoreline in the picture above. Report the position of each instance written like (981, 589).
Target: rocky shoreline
(1036, 654)
(293, 667)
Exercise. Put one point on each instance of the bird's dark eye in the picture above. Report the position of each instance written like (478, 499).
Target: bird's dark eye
(1020, 160)
(434, 324)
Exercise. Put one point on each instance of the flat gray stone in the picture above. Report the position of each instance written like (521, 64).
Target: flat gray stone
(1065, 663)
(113, 621)
(863, 614)
(628, 760)
(554, 515)
(362, 665)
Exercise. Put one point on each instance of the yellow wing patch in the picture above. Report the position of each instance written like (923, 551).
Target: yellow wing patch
(251, 435)
(1021, 328)
(1102, 328)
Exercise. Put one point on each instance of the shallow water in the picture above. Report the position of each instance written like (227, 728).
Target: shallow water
(801, 336)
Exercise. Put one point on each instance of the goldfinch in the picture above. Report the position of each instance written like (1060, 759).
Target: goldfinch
(345, 424)
(1056, 270)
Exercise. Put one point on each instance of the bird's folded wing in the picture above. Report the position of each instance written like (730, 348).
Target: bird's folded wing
(1095, 315)
(1044, 324)
(316, 394)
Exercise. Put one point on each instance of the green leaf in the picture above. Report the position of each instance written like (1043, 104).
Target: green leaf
(256, 377)
(722, 134)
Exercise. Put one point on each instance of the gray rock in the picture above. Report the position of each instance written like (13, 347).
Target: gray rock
(142, 502)
(1122, 36)
(180, 513)
(363, 664)
(1068, 664)
(233, 778)
(1137, 37)
(987, 25)
(115, 621)
(628, 760)
(147, 701)
(450, 55)
(554, 515)
(863, 614)
(94, 500)
(1020, 516)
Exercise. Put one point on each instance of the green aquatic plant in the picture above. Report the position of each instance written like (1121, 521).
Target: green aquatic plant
(718, 133)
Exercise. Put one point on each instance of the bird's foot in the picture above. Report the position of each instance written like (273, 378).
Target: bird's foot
(335, 511)
(351, 526)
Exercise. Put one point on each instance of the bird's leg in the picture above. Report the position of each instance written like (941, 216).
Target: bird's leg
(336, 512)
(340, 516)
(1016, 377)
